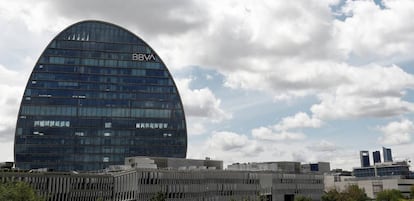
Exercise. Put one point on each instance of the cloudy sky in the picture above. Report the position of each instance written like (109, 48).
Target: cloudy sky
(303, 80)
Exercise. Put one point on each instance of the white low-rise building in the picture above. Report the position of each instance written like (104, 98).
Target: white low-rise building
(374, 185)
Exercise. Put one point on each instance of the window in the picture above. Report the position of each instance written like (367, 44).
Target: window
(151, 125)
(19, 131)
(105, 159)
(79, 134)
(51, 123)
(108, 125)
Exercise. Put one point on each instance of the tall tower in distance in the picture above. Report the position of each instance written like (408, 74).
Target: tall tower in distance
(364, 156)
(376, 155)
(387, 154)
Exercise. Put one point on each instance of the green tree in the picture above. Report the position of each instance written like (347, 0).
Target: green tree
(351, 193)
(389, 195)
(158, 197)
(354, 193)
(331, 195)
(18, 191)
(261, 198)
(412, 192)
(302, 198)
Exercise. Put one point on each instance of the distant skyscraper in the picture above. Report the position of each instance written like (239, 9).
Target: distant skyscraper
(364, 156)
(387, 154)
(376, 155)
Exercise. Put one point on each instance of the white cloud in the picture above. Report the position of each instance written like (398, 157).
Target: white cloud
(36, 16)
(209, 77)
(344, 91)
(230, 146)
(8, 77)
(372, 33)
(300, 156)
(233, 147)
(282, 131)
(150, 17)
(201, 102)
(372, 91)
(322, 146)
(12, 91)
(287, 49)
(6, 153)
(395, 133)
(265, 133)
(403, 152)
(196, 126)
(343, 159)
(299, 120)
(228, 141)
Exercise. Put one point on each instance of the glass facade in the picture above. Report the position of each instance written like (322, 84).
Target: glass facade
(390, 170)
(364, 157)
(387, 154)
(98, 94)
(376, 155)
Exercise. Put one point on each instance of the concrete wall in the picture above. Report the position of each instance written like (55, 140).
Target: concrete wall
(65, 186)
(374, 185)
(183, 185)
(198, 185)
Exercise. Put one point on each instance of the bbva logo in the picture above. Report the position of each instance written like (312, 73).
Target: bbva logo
(143, 57)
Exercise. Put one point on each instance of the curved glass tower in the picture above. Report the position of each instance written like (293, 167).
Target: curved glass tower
(98, 94)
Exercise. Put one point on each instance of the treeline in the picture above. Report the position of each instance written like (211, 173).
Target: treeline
(18, 191)
(354, 193)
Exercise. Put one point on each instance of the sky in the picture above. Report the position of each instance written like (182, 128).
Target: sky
(270, 80)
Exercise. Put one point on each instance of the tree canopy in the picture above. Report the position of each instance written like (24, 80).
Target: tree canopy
(18, 191)
(158, 197)
(389, 195)
(351, 193)
(412, 191)
(303, 198)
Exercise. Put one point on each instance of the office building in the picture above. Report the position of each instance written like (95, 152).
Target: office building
(286, 180)
(364, 157)
(387, 154)
(384, 169)
(68, 186)
(185, 185)
(174, 163)
(376, 156)
(336, 175)
(279, 166)
(374, 179)
(319, 167)
(141, 179)
(98, 94)
(141, 185)
(373, 185)
(276, 186)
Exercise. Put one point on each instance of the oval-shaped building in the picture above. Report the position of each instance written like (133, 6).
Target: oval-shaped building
(98, 94)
